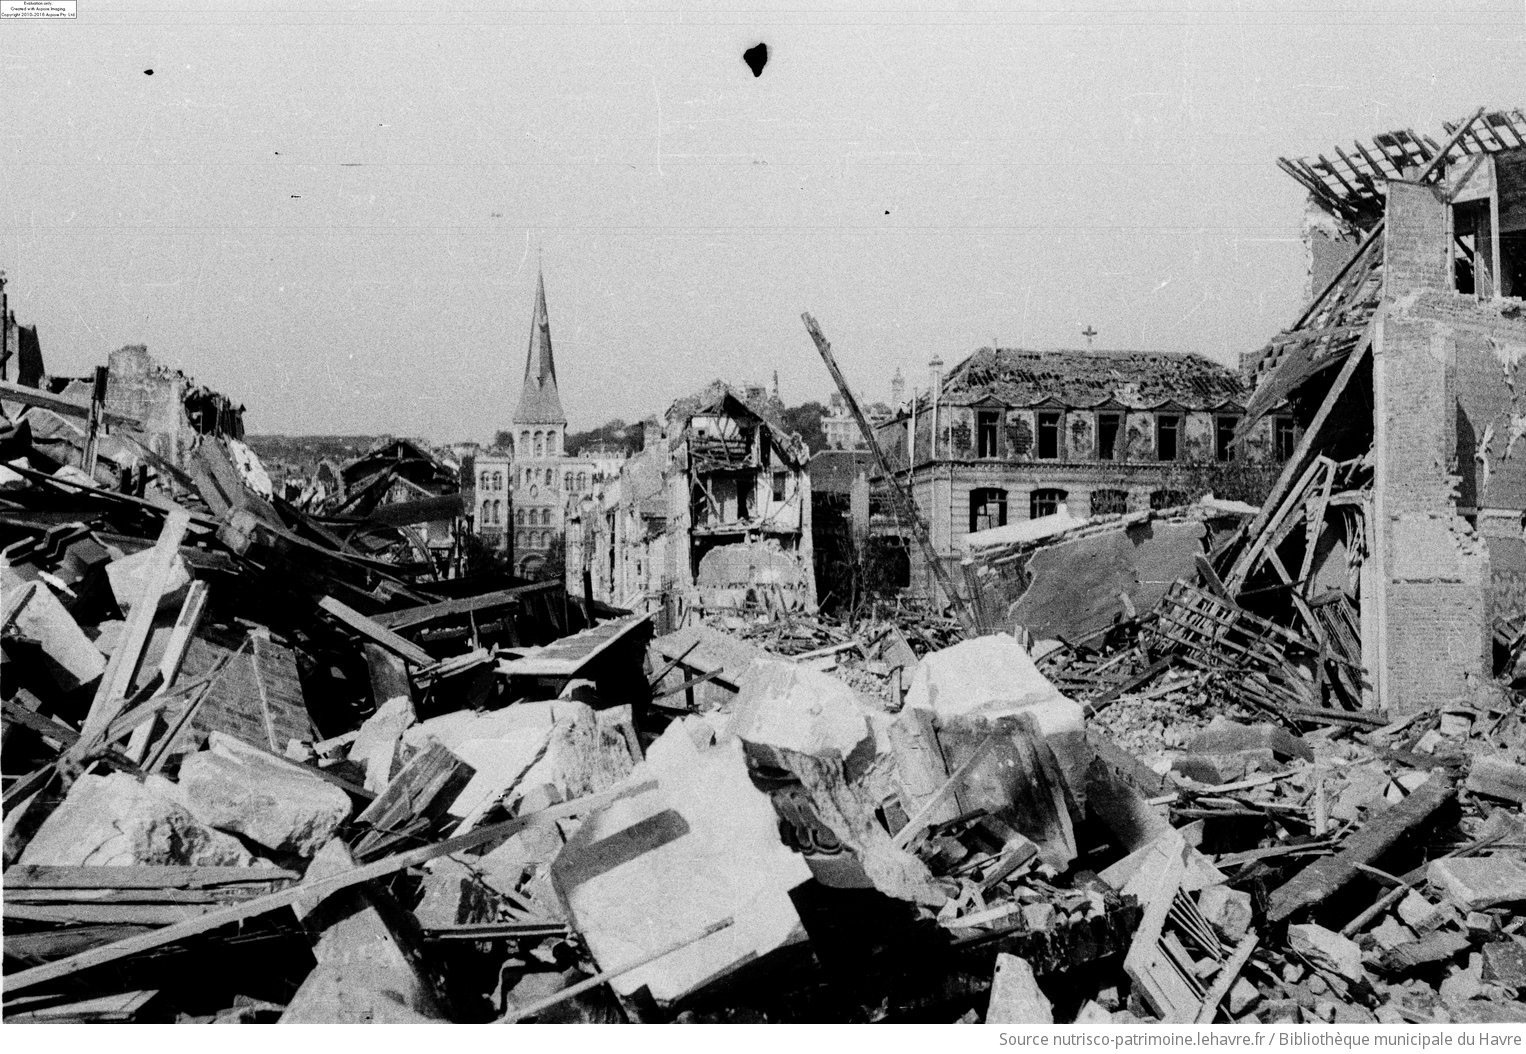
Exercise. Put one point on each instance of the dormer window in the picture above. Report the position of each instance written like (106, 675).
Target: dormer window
(1049, 435)
(1167, 434)
(987, 433)
(1108, 428)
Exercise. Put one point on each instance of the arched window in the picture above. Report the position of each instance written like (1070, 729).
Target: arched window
(1110, 502)
(545, 517)
(988, 508)
(498, 512)
(524, 443)
(1167, 499)
(487, 478)
(567, 481)
(1044, 502)
(582, 481)
(540, 444)
(550, 477)
(497, 480)
(551, 438)
(519, 517)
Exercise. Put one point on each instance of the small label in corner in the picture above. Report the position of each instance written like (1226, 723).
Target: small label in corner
(37, 9)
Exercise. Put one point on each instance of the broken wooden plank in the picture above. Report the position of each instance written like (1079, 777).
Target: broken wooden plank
(140, 876)
(1497, 776)
(186, 623)
(312, 893)
(541, 1005)
(924, 816)
(412, 801)
(117, 681)
(17, 393)
(1323, 878)
(376, 633)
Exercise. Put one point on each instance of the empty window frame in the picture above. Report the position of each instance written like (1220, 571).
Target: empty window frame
(1109, 427)
(988, 433)
(988, 508)
(1167, 435)
(1049, 435)
(779, 479)
(1284, 438)
(1473, 249)
(1223, 436)
(1109, 502)
(1045, 502)
(1167, 499)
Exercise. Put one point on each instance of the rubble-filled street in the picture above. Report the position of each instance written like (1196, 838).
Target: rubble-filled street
(1079, 686)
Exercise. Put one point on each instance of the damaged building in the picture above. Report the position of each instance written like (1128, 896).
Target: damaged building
(714, 512)
(1011, 435)
(1403, 504)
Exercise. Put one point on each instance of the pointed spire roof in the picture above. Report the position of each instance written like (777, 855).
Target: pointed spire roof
(539, 403)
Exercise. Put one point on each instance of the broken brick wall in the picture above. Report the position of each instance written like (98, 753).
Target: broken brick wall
(1432, 567)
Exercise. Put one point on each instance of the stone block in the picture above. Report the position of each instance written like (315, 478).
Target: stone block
(115, 821)
(1478, 882)
(1228, 910)
(268, 800)
(1327, 949)
(1015, 995)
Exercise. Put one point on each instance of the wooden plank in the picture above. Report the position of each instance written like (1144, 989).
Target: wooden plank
(140, 876)
(1323, 878)
(919, 823)
(376, 633)
(117, 682)
(17, 393)
(311, 893)
(415, 797)
(422, 613)
(186, 623)
(570, 656)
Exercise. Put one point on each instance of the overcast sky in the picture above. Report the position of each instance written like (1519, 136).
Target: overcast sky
(333, 211)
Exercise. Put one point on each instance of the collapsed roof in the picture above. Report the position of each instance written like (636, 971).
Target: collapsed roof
(1133, 380)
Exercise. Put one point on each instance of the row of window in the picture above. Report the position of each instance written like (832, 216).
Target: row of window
(1048, 445)
(528, 476)
(988, 505)
(544, 444)
(533, 539)
(492, 513)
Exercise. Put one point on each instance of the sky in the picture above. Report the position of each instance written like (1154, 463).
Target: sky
(334, 212)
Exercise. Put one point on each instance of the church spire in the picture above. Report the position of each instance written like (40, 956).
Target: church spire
(539, 403)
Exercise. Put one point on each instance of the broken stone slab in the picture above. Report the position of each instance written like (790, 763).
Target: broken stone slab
(129, 574)
(1016, 998)
(700, 847)
(1093, 1013)
(377, 744)
(1227, 910)
(70, 657)
(365, 974)
(115, 821)
(991, 677)
(1474, 883)
(1327, 949)
(528, 755)
(1390, 934)
(1217, 769)
(1498, 777)
(788, 707)
(1242, 997)
(1504, 962)
(1224, 736)
(1419, 914)
(236, 788)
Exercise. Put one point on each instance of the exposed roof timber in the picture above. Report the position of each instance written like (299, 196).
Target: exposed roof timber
(1350, 187)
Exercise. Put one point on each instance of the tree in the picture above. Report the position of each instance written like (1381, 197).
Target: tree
(805, 420)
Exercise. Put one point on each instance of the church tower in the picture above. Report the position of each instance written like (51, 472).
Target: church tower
(539, 429)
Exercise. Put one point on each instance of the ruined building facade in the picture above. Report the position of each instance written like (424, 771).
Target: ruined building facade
(1408, 502)
(715, 511)
(1011, 435)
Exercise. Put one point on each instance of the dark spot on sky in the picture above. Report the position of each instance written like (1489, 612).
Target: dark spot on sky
(148, 73)
(887, 212)
(756, 58)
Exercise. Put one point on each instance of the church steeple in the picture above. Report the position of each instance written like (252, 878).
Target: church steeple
(539, 403)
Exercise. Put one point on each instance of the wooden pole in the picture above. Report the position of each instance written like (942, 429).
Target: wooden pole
(906, 506)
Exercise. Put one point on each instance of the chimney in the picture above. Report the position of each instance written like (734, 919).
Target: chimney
(935, 377)
(897, 390)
